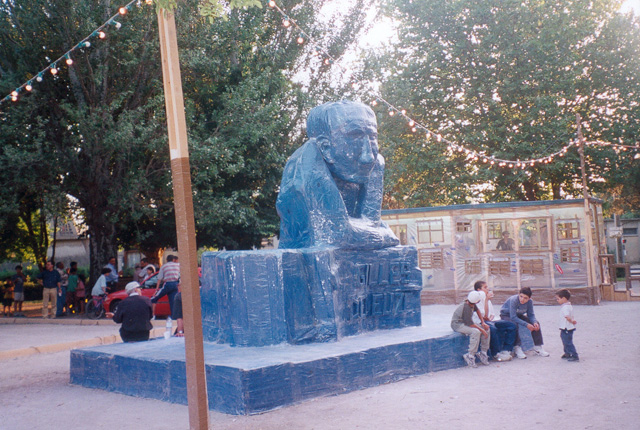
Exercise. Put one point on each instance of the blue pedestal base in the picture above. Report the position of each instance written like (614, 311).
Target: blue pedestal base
(249, 380)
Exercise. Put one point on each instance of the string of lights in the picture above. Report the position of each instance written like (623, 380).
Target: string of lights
(452, 147)
(357, 83)
(67, 58)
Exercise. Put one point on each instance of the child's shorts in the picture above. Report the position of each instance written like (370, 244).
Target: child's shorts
(7, 302)
(18, 297)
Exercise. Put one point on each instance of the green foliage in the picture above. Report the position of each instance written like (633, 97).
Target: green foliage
(97, 131)
(506, 79)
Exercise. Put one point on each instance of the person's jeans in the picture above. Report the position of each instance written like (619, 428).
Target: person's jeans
(169, 289)
(567, 342)
(536, 335)
(503, 336)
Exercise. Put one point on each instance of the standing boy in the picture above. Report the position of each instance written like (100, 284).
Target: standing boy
(18, 291)
(567, 325)
(462, 322)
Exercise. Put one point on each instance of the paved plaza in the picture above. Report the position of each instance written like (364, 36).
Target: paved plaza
(599, 392)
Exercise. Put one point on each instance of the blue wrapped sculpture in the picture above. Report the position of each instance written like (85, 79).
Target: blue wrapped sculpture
(338, 271)
(331, 189)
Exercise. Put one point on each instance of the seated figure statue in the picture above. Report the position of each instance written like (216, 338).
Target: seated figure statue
(331, 190)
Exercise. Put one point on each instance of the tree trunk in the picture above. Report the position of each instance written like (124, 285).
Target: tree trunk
(102, 246)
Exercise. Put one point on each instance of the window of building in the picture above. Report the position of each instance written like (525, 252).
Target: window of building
(495, 229)
(629, 231)
(430, 231)
(430, 259)
(463, 226)
(534, 234)
(568, 230)
(500, 267)
(472, 267)
(401, 233)
(532, 267)
(571, 254)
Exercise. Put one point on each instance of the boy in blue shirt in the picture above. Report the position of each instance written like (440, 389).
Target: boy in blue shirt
(519, 309)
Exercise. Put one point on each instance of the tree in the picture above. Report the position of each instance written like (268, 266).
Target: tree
(506, 79)
(101, 126)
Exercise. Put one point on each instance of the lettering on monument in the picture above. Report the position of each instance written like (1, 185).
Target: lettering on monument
(378, 304)
(383, 274)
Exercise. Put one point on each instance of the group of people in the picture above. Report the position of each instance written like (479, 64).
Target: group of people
(13, 293)
(499, 339)
(63, 287)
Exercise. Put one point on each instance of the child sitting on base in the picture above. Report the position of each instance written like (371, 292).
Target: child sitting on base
(462, 322)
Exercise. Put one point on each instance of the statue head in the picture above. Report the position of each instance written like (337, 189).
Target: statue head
(346, 134)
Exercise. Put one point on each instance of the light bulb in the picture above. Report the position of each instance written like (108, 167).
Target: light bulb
(148, 1)
(414, 129)
(39, 78)
(69, 61)
(438, 137)
(87, 44)
(391, 113)
(54, 71)
(271, 3)
(286, 23)
(374, 103)
(14, 94)
(122, 10)
(404, 112)
(412, 123)
(28, 87)
(117, 24)
(14, 98)
(102, 34)
(300, 40)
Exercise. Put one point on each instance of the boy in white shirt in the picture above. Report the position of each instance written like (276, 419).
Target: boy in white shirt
(567, 325)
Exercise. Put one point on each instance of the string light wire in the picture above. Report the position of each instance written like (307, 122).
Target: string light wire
(66, 58)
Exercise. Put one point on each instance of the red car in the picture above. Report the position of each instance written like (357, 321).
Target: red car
(162, 307)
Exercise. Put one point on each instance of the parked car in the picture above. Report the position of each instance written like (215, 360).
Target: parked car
(148, 289)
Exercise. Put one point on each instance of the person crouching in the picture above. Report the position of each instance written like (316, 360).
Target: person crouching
(134, 313)
(462, 322)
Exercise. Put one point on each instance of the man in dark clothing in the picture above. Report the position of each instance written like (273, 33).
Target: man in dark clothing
(50, 280)
(134, 313)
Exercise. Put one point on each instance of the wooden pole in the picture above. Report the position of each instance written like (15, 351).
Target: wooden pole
(587, 210)
(185, 223)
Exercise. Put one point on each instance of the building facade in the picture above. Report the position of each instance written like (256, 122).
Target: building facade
(545, 245)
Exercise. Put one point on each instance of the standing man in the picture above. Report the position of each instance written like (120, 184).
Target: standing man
(50, 281)
(18, 291)
(62, 295)
(112, 278)
(506, 243)
(168, 277)
(134, 313)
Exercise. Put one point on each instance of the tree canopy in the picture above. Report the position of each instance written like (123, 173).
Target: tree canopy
(96, 131)
(507, 79)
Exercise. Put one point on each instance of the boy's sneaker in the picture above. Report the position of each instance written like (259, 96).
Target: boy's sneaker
(540, 351)
(470, 359)
(518, 352)
(503, 356)
(565, 356)
(573, 358)
(482, 356)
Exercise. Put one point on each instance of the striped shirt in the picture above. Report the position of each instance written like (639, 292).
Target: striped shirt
(170, 272)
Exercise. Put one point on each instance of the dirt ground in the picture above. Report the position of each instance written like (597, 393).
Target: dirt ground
(602, 391)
